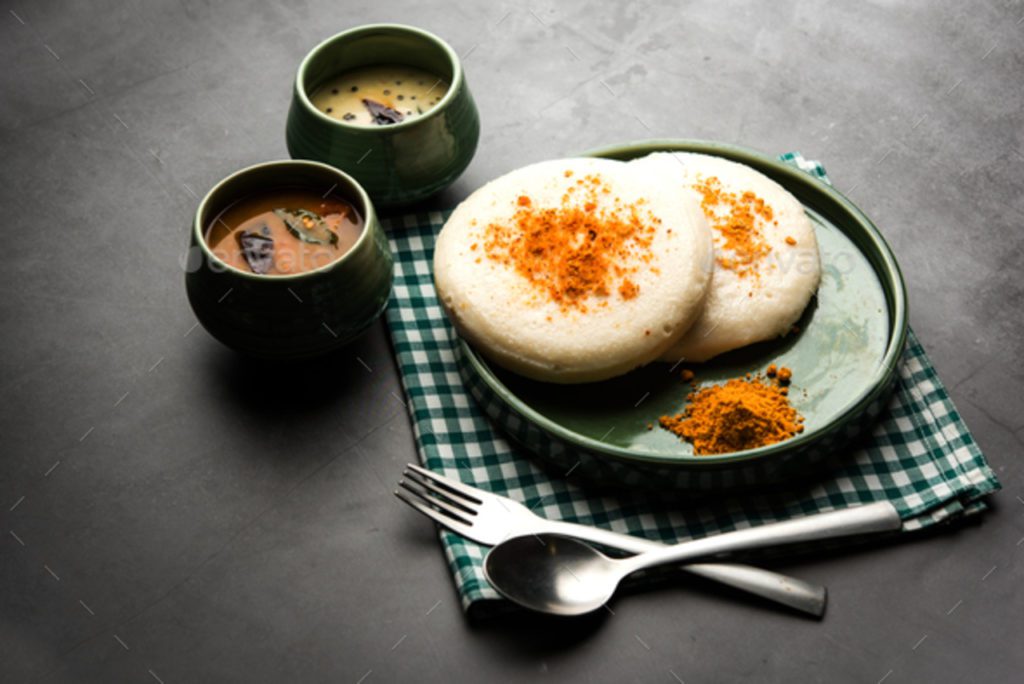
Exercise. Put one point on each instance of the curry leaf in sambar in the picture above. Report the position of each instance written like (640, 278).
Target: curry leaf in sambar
(307, 226)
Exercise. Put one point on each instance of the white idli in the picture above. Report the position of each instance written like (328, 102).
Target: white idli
(767, 265)
(574, 270)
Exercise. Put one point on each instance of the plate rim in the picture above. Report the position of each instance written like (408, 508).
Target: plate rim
(883, 374)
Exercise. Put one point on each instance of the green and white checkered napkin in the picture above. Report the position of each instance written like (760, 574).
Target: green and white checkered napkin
(920, 456)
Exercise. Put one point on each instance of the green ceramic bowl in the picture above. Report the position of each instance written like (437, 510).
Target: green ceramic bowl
(843, 359)
(400, 163)
(296, 316)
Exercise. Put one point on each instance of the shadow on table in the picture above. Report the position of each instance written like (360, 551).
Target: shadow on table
(294, 414)
(286, 389)
(539, 634)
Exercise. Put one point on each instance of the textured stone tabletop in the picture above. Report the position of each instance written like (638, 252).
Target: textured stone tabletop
(167, 516)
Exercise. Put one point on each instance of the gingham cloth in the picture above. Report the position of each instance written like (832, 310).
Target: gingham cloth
(920, 455)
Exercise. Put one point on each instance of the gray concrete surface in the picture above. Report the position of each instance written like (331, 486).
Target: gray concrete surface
(162, 520)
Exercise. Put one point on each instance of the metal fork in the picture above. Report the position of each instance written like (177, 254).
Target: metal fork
(489, 519)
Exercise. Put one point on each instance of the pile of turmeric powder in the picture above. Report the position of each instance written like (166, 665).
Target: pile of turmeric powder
(744, 413)
(589, 246)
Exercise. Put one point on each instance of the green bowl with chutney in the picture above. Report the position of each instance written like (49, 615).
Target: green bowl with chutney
(288, 316)
(844, 361)
(400, 163)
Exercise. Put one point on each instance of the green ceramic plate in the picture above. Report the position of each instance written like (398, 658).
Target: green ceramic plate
(843, 359)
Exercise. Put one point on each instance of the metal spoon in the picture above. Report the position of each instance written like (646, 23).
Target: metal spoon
(564, 576)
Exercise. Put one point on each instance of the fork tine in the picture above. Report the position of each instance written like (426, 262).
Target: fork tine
(471, 493)
(453, 511)
(458, 500)
(440, 519)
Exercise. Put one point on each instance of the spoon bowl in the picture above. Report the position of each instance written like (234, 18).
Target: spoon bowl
(552, 574)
